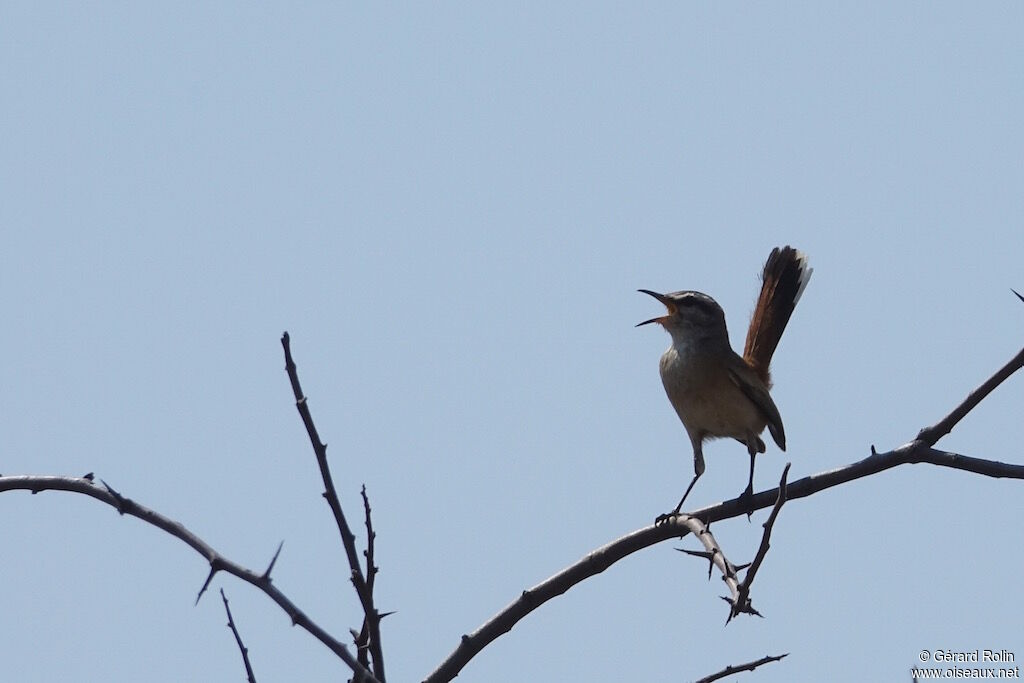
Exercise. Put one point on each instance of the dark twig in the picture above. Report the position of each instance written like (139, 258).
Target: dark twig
(742, 601)
(214, 568)
(238, 639)
(348, 539)
(749, 666)
(371, 568)
(931, 435)
(362, 638)
(917, 451)
(739, 601)
(273, 561)
(218, 562)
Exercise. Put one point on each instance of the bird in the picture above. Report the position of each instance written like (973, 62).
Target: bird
(715, 391)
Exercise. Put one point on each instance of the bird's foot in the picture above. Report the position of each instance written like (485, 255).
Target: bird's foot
(661, 519)
(746, 500)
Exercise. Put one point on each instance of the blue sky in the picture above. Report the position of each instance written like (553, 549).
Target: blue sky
(451, 208)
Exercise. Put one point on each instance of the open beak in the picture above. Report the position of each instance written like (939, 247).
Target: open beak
(664, 300)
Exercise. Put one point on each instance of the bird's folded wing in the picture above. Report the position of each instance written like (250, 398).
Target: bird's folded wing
(758, 394)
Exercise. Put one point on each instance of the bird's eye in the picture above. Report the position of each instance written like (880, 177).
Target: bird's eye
(698, 305)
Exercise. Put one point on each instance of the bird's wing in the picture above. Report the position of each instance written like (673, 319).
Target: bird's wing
(754, 389)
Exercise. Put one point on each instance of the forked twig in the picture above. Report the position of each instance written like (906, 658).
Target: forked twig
(743, 598)
(362, 638)
(715, 556)
(217, 561)
(363, 586)
(931, 435)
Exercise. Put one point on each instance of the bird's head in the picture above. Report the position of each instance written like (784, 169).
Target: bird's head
(689, 312)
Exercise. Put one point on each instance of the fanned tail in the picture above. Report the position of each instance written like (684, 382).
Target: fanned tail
(785, 276)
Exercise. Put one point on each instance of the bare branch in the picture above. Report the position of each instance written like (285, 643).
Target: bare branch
(742, 601)
(371, 568)
(238, 639)
(218, 562)
(591, 565)
(602, 558)
(918, 451)
(362, 639)
(931, 435)
(598, 560)
(749, 666)
(348, 539)
(739, 602)
(713, 553)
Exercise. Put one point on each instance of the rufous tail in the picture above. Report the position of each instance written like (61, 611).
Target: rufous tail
(786, 273)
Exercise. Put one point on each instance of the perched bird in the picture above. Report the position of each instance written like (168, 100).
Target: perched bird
(715, 391)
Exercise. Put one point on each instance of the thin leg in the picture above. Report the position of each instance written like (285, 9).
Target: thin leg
(669, 515)
(750, 481)
(747, 497)
(698, 469)
(683, 499)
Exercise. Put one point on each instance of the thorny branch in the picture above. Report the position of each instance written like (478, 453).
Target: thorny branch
(363, 586)
(238, 639)
(218, 562)
(362, 638)
(920, 450)
(715, 556)
(749, 666)
(743, 599)
(739, 602)
(931, 435)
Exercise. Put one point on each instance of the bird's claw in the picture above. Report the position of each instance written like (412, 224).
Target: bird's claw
(746, 501)
(661, 519)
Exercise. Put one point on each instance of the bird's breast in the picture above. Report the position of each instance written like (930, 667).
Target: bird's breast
(705, 397)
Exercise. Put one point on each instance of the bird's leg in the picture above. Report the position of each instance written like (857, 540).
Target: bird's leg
(747, 497)
(698, 469)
